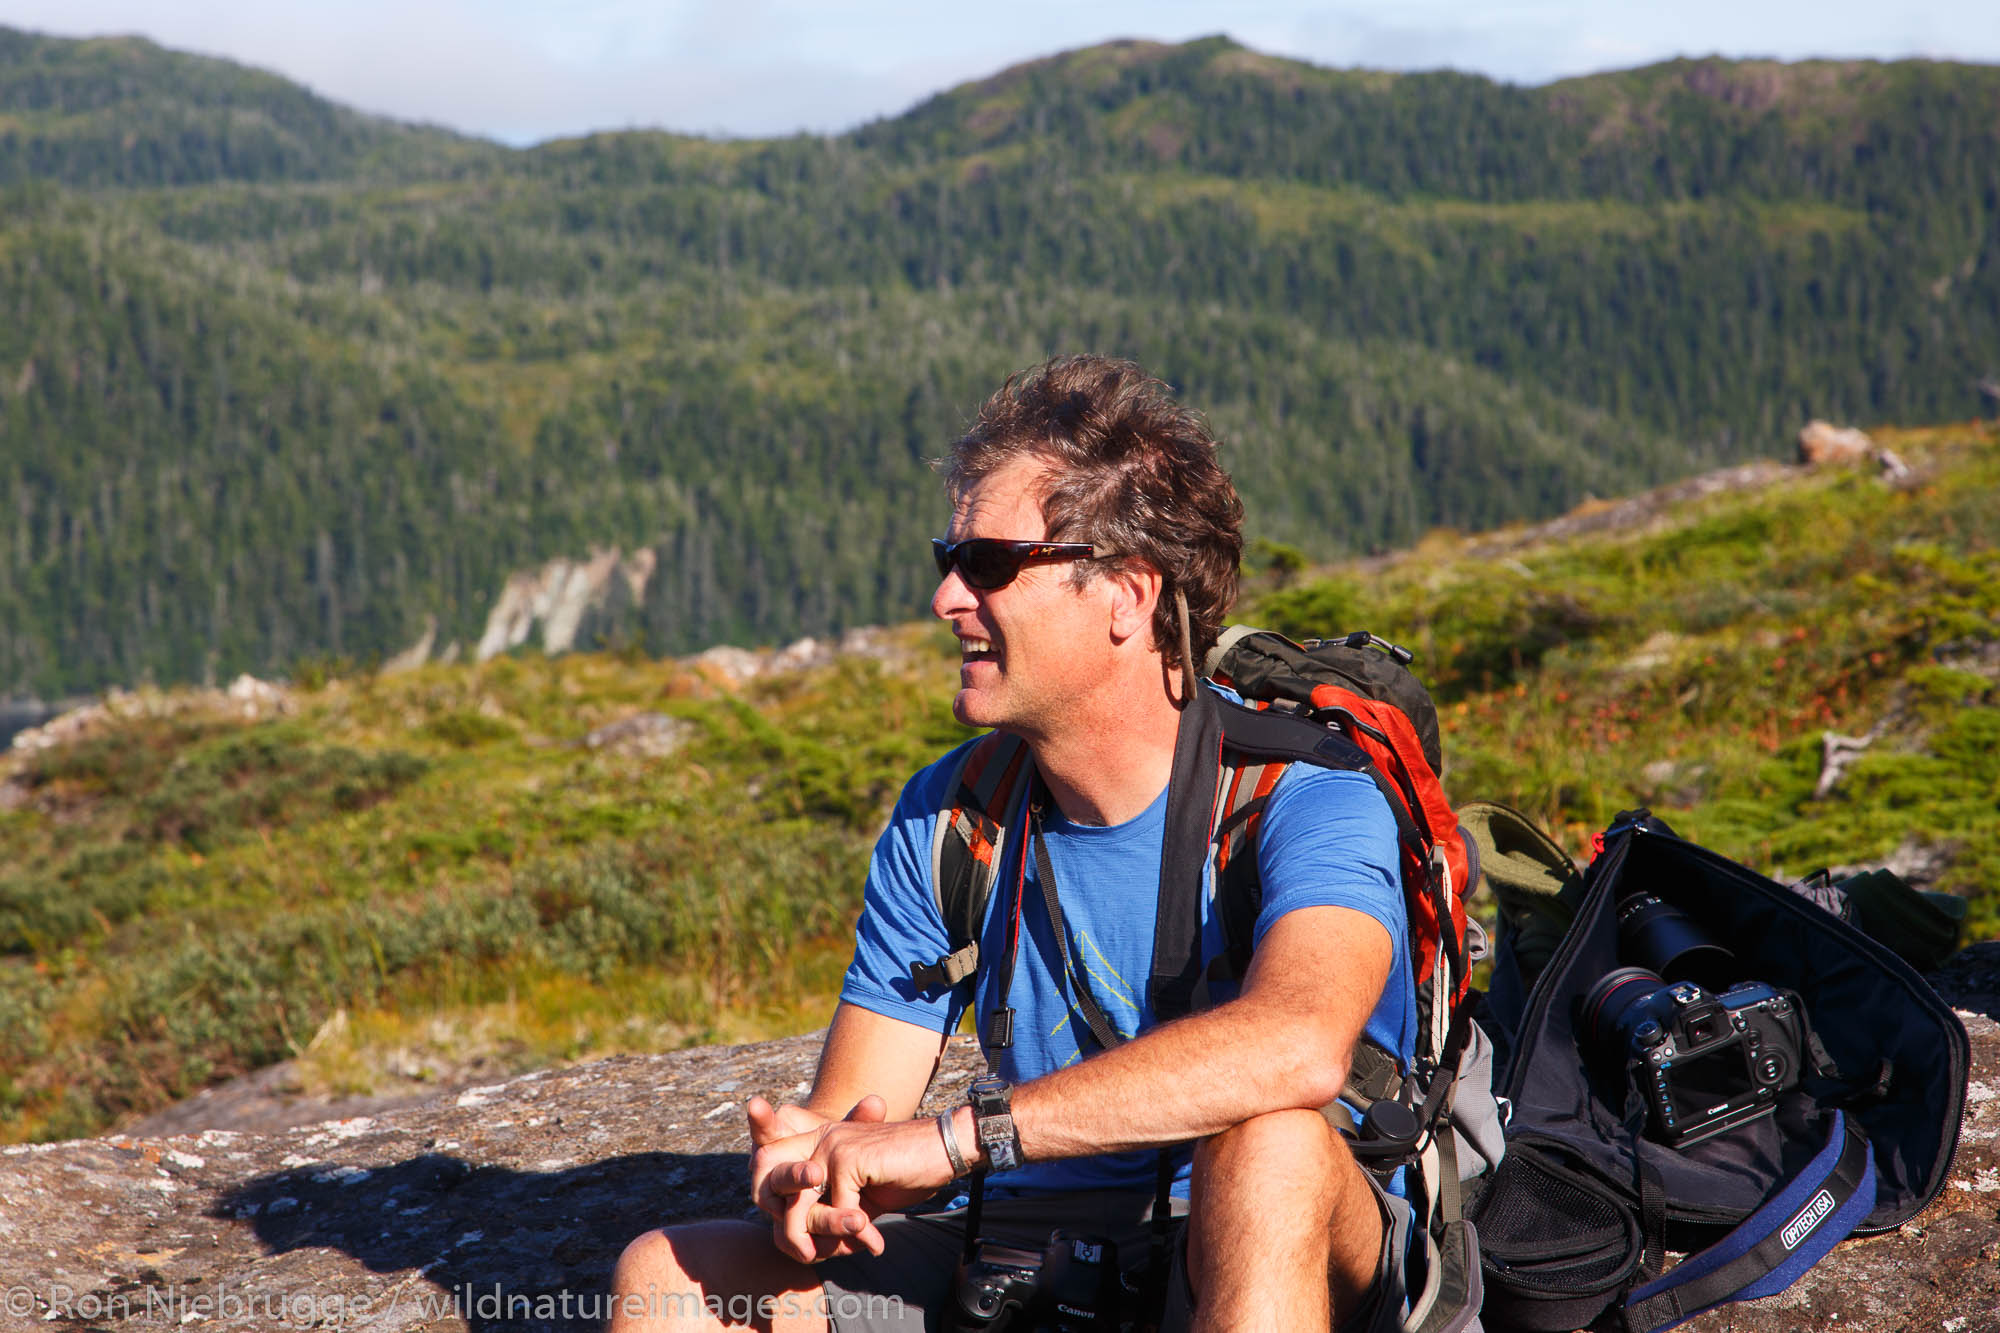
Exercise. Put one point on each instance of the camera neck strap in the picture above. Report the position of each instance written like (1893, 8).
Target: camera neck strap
(999, 1032)
(1106, 1035)
(1000, 1024)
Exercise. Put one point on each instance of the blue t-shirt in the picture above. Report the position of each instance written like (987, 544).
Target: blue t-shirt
(1327, 839)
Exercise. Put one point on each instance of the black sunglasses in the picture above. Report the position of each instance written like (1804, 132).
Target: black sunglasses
(987, 563)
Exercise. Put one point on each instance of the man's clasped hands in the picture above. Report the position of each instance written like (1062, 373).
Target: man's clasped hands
(822, 1182)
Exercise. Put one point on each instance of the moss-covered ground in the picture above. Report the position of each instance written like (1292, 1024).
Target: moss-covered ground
(1694, 661)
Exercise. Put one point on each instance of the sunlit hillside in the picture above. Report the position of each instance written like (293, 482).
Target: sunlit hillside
(391, 879)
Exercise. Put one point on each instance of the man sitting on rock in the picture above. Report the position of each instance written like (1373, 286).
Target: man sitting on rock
(1091, 555)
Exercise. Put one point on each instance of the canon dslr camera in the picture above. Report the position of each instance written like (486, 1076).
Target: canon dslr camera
(1706, 1063)
(1070, 1287)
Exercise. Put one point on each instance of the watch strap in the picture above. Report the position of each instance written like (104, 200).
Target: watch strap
(993, 1115)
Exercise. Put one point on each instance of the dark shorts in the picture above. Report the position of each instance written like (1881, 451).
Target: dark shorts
(909, 1285)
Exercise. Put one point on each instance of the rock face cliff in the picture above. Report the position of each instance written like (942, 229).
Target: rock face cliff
(502, 1209)
(560, 596)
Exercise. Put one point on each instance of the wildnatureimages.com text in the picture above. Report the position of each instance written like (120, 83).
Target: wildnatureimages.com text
(178, 1305)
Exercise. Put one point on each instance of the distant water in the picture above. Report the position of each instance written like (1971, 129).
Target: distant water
(17, 715)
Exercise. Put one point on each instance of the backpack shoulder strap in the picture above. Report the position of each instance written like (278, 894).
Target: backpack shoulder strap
(1226, 761)
(1258, 745)
(1192, 792)
(1245, 788)
(966, 847)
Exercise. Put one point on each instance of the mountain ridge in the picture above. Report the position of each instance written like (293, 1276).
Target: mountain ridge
(98, 110)
(70, 76)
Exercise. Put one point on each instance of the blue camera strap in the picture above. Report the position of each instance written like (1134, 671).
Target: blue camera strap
(1793, 1230)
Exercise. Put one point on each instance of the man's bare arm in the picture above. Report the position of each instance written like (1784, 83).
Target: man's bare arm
(865, 1053)
(1284, 1042)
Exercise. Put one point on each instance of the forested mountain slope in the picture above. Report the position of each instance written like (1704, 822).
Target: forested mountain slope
(285, 384)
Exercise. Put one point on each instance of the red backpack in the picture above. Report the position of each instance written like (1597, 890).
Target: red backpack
(1361, 686)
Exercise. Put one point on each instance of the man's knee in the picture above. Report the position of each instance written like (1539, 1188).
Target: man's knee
(1280, 1201)
(678, 1276)
(1283, 1146)
(652, 1266)
(658, 1257)
(1288, 1179)
(1273, 1176)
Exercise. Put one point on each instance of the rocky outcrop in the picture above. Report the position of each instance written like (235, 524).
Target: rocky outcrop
(17, 715)
(1822, 442)
(498, 1207)
(1633, 514)
(416, 654)
(503, 1207)
(247, 699)
(726, 664)
(560, 596)
(647, 735)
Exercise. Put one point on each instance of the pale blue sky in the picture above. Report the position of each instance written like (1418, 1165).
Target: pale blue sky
(525, 70)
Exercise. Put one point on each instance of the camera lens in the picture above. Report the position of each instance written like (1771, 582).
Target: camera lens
(1659, 936)
(1616, 1006)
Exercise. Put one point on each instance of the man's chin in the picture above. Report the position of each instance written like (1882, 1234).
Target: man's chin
(965, 707)
(976, 707)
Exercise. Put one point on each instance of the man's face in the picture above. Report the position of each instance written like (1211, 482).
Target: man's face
(1027, 650)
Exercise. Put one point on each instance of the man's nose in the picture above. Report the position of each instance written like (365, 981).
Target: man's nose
(952, 596)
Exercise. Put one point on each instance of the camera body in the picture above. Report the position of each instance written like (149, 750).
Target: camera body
(1071, 1286)
(995, 1283)
(1705, 1063)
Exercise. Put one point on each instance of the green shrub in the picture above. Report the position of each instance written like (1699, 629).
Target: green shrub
(466, 728)
(1318, 609)
(261, 777)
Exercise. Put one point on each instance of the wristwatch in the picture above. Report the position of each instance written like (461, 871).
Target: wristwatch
(993, 1116)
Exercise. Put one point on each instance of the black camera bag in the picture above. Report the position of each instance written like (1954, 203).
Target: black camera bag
(1575, 1224)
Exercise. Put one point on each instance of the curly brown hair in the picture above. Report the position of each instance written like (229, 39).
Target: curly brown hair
(1129, 468)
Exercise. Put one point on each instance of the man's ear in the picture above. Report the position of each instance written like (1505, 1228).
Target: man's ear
(1135, 592)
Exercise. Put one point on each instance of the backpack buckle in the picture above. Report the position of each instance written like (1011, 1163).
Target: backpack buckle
(946, 972)
(1361, 638)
